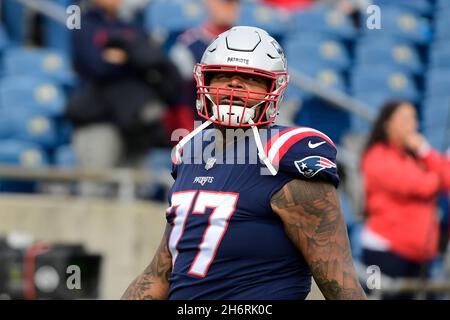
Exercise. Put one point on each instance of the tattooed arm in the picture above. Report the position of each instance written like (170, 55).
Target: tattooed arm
(153, 283)
(314, 222)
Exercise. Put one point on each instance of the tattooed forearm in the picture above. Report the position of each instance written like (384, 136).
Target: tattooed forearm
(153, 283)
(314, 222)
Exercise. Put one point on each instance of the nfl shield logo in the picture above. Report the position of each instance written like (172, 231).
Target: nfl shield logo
(210, 163)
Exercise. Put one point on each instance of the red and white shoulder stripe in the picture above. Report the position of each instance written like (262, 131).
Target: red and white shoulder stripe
(280, 143)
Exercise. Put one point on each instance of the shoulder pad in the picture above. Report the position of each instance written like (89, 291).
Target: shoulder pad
(305, 153)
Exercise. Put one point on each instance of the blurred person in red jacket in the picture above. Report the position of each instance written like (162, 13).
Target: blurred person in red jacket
(346, 6)
(290, 4)
(403, 177)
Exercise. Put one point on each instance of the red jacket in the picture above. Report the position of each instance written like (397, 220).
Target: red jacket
(290, 4)
(401, 193)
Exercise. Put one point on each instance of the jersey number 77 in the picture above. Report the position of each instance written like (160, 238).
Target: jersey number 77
(223, 205)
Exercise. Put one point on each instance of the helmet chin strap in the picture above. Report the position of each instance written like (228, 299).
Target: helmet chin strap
(180, 145)
(261, 153)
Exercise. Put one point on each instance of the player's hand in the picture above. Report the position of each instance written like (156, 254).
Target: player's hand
(115, 56)
(414, 142)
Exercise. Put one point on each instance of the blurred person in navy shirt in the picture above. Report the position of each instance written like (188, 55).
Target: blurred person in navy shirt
(188, 50)
(125, 83)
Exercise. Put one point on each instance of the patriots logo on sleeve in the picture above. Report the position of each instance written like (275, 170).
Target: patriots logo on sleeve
(312, 165)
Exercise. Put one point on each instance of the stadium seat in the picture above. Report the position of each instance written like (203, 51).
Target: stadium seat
(31, 92)
(173, 16)
(64, 131)
(26, 154)
(23, 154)
(359, 125)
(39, 62)
(323, 21)
(436, 112)
(65, 157)
(30, 125)
(328, 77)
(4, 40)
(13, 14)
(309, 38)
(56, 36)
(441, 12)
(438, 137)
(442, 4)
(389, 52)
(439, 44)
(442, 26)
(6, 128)
(322, 116)
(265, 17)
(438, 82)
(388, 83)
(401, 24)
(318, 67)
(440, 57)
(328, 53)
(423, 7)
(375, 100)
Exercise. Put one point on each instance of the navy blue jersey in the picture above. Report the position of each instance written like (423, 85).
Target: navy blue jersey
(226, 241)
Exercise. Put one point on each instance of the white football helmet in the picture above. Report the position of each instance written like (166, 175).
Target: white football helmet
(246, 50)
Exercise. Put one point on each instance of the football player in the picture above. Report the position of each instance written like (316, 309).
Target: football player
(246, 229)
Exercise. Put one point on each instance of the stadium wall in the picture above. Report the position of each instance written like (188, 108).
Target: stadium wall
(125, 234)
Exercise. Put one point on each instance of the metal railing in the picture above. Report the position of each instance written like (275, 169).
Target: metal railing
(126, 179)
(337, 98)
(394, 286)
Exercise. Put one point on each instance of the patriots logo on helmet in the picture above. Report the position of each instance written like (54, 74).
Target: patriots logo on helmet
(312, 165)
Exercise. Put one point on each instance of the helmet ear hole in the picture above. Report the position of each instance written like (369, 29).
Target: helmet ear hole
(270, 83)
(208, 77)
(270, 112)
